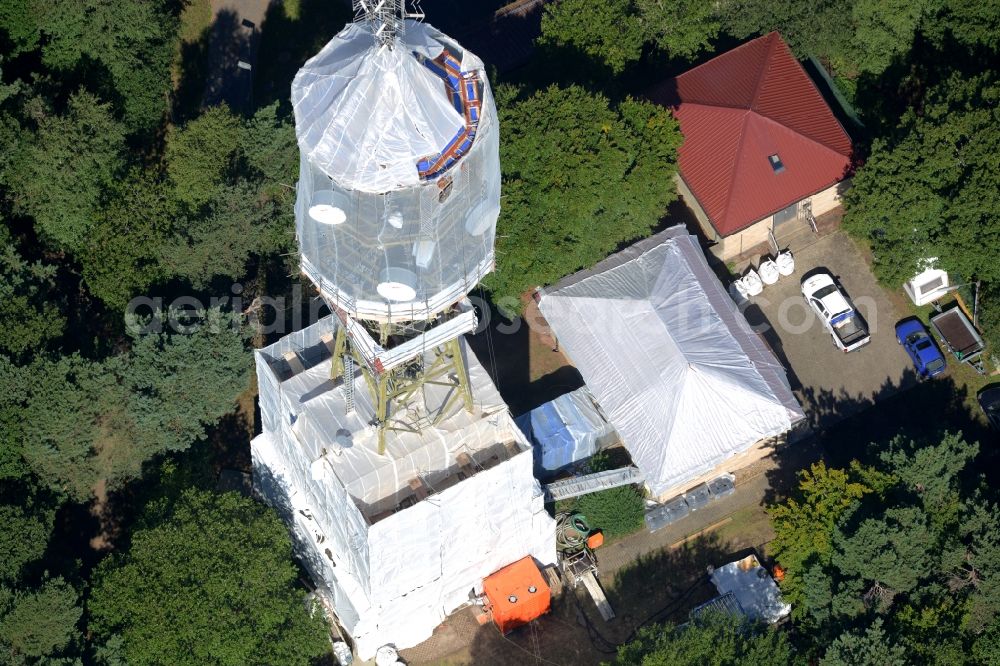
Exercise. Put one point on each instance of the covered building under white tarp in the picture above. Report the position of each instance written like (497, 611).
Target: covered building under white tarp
(755, 592)
(566, 430)
(690, 387)
(394, 542)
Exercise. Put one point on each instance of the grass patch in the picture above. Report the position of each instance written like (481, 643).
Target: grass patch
(195, 19)
(615, 511)
(749, 527)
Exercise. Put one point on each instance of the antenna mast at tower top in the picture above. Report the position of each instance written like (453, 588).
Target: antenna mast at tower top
(385, 17)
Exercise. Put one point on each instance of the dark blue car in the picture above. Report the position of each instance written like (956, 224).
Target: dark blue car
(925, 355)
(989, 400)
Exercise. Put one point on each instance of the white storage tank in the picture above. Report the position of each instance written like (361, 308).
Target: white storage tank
(399, 186)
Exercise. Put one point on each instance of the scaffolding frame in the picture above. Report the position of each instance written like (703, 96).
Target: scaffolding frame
(386, 18)
(392, 384)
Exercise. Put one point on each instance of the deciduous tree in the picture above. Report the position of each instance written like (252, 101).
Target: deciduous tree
(931, 190)
(857, 36)
(39, 626)
(870, 648)
(85, 421)
(123, 255)
(209, 580)
(30, 314)
(124, 49)
(18, 26)
(615, 33)
(918, 550)
(25, 535)
(580, 178)
(200, 155)
(805, 523)
(714, 638)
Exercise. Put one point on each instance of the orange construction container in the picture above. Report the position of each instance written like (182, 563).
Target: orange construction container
(517, 594)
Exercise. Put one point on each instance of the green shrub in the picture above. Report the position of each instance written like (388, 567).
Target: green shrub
(616, 511)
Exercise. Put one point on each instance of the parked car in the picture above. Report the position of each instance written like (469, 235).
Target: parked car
(926, 357)
(989, 401)
(846, 326)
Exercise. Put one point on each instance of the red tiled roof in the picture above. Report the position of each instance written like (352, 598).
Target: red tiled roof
(736, 110)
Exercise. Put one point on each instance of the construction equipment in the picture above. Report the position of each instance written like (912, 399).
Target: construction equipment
(576, 558)
(516, 594)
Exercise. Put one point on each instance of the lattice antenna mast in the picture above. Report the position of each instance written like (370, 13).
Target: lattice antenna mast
(385, 17)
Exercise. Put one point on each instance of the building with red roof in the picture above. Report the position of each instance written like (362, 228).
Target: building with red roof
(761, 146)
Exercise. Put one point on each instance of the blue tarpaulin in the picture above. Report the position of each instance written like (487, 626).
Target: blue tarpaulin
(565, 430)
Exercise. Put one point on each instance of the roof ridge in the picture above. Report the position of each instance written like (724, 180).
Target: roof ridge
(724, 53)
(765, 67)
(815, 88)
(737, 155)
(736, 169)
(713, 105)
(796, 132)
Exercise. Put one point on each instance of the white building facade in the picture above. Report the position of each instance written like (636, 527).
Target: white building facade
(394, 543)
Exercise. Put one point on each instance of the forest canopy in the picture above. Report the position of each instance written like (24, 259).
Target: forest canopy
(122, 178)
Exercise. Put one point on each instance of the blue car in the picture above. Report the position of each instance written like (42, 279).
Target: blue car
(989, 400)
(925, 355)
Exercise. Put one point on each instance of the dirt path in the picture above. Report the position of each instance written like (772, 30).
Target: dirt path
(99, 509)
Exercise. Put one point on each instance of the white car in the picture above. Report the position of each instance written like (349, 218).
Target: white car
(846, 327)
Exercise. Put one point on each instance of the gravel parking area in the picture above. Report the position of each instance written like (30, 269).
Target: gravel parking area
(831, 384)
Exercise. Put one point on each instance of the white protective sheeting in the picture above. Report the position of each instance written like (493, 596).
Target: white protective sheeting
(566, 430)
(365, 115)
(672, 362)
(317, 414)
(378, 239)
(392, 574)
(751, 584)
(426, 560)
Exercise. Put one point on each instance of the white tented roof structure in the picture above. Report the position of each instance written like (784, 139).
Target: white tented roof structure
(752, 586)
(399, 183)
(672, 362)
(394, 542)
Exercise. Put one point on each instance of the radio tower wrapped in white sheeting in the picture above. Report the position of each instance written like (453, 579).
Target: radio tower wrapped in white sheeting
(385, 445)
(399, 189)
(394, 542)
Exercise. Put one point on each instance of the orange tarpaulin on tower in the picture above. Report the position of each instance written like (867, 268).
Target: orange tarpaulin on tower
(517, 594)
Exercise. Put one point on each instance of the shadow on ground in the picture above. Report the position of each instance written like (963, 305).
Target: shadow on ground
(858, 429)
(287, 39)
(208, 71)
(525, 368)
